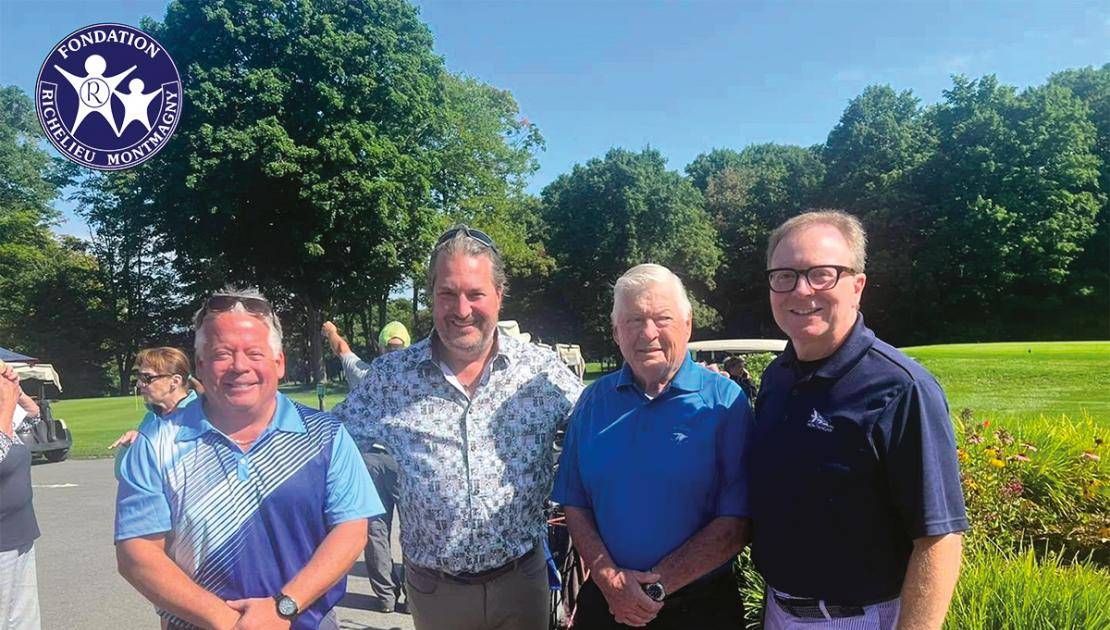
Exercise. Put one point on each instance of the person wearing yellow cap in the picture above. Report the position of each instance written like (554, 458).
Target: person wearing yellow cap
(384, 581)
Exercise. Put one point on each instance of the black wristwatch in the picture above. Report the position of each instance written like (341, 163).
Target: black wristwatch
(287, 607)
(655, 591)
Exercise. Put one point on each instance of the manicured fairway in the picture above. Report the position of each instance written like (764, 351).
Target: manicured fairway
(1009, 382)
(1020, 382)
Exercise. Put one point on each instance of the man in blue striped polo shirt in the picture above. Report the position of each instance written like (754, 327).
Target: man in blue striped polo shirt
(244, 507)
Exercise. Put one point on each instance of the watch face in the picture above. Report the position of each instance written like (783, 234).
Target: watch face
(287, 607)
(655, 591)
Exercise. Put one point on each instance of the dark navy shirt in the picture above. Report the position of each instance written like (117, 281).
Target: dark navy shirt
(656, 471)
(851, 462)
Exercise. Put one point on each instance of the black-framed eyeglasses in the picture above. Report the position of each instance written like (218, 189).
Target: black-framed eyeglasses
(253, 305)
(477, 235)
(820, 277)
(147, 379)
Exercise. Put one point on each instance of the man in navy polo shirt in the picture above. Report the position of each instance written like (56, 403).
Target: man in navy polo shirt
(653, 473)
(857, 506)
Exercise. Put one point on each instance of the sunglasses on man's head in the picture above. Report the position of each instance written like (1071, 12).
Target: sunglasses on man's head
(253, 305)
(477, 235)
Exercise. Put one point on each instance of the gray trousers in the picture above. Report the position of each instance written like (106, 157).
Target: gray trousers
(518, 600)
(19, 590)
(384, 582)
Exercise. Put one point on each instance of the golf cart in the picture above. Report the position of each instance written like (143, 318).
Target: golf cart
(717, 350)
(50, 437)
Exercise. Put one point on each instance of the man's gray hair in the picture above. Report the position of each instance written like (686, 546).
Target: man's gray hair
(202, 317)
(848, 226)
(462, 244)
(642, 277)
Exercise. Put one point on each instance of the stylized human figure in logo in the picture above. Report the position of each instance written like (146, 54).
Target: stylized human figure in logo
(135, 104)
(94, 91)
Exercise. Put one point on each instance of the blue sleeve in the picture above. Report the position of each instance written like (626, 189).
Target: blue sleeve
(568, 488)
(350, 491)
(922, 469)
(733, 448)
(141, 505)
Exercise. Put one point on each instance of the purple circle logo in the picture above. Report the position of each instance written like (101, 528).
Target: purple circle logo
(108, 96)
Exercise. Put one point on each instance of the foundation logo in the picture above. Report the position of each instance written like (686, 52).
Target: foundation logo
(108, 96)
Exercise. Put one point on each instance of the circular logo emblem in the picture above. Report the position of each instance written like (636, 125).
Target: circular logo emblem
(108, 96)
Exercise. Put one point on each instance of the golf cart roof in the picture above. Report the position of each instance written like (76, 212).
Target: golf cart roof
(39, 372)
(738, 345)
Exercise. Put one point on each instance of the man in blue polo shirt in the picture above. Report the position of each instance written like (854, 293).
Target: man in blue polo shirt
(856, 502)
(653, 473)
(243, 508)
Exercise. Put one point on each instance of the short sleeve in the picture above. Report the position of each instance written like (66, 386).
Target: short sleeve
(733, 448)
(141, 505)
(350, 492)
(361, 411)
(568, 488)
(922, 468)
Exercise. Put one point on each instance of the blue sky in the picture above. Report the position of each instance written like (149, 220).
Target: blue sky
(683, 77)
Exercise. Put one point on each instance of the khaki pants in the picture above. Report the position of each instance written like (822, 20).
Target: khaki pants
(518, 600)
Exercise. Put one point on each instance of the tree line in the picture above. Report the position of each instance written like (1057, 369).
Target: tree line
(325, 145)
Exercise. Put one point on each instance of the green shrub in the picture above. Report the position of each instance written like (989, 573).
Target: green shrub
(1045, 482)
(1003, 590)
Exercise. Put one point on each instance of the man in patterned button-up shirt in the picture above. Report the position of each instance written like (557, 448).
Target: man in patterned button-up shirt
(471, 416)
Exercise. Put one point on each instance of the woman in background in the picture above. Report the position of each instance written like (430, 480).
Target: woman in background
(19, 592)
(165, 384)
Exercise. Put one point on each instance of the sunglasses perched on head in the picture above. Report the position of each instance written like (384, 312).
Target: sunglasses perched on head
(477, 235)
(253, 305)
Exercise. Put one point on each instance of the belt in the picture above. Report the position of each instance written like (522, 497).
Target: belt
(479, 577)
(809, 608)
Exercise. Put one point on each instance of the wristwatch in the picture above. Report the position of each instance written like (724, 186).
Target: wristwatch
(287, 607)
(655, 591)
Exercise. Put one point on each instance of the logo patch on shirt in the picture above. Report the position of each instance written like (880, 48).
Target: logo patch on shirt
(679, 437)
(819, 422)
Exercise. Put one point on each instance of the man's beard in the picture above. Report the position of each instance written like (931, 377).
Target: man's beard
(463, 343)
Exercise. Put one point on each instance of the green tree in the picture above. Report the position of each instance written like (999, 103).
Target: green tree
(141, 289)
(613, 213)
(1014, 196)
(306, 157)
(757, 189)
(875, 156)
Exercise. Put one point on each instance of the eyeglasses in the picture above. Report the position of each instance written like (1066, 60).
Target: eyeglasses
(820, 278)
(253, 305)
(147, 379)
(477, 235)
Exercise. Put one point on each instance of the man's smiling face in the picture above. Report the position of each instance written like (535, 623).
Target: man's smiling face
(237, 366)
(817, 322)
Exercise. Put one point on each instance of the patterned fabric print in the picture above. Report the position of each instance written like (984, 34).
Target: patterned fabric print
(474, 473)
(8, 441)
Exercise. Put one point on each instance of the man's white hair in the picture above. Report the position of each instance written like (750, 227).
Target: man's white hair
(202, 317)
(641, 278)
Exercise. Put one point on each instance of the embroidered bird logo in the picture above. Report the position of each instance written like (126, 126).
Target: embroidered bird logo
(679, 437)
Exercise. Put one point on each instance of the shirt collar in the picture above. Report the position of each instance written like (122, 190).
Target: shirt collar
(859, 341)
(195, 423)
(507, 350)
(685, 379)
(190, 397)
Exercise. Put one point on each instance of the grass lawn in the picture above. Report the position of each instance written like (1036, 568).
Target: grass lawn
(1024, 382)
(97, 422)
(1010, 382)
